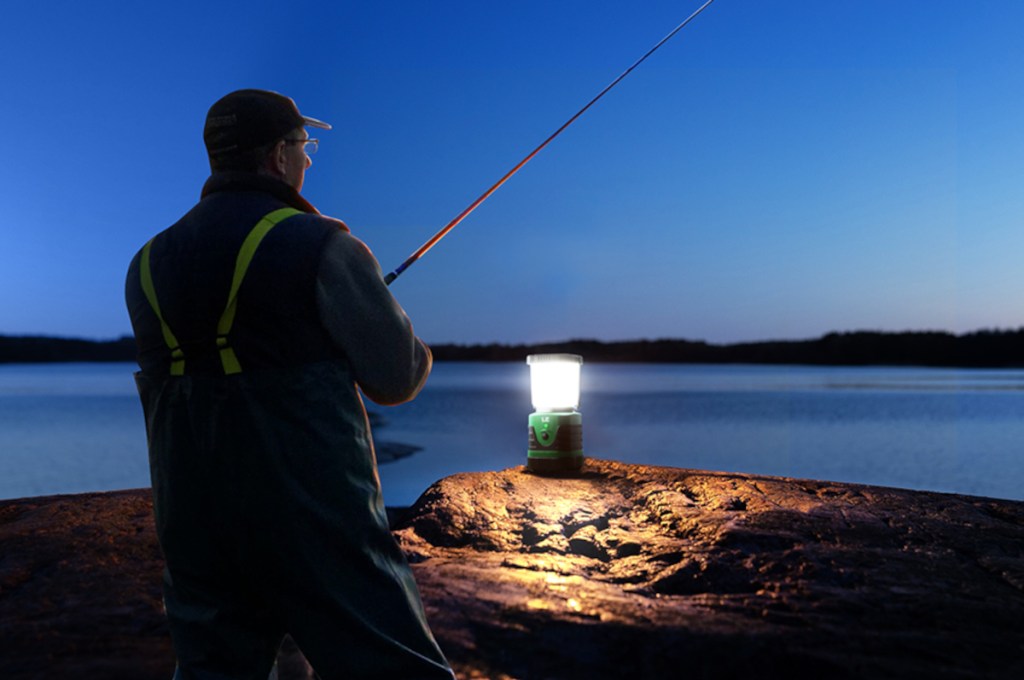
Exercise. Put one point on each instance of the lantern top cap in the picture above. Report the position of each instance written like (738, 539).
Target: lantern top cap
(552, 358)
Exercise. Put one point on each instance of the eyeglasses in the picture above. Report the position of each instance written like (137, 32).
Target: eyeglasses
(308, 145)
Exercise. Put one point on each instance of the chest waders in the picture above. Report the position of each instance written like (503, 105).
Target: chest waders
(227, 318)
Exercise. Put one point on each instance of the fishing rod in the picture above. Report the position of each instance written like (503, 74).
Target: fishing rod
(494, 187)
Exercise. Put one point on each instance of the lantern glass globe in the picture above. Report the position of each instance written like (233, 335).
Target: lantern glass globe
(555, 381)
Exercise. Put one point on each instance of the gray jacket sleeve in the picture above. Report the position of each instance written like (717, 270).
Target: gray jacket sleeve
(366, 322)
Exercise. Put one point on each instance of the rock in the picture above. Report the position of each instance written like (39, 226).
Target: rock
(633, 571)
(389, 452)
(622, 571)
(80, 588)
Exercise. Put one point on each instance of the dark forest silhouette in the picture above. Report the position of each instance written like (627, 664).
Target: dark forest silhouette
(984, 348)
(42, 349)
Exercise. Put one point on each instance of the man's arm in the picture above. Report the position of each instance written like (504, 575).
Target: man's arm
(363, 318)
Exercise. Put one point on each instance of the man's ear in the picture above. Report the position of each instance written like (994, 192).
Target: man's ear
(277, 157)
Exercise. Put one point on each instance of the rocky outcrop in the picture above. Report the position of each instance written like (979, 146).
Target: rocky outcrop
(632, 571)
(622, 571)
(80, 588)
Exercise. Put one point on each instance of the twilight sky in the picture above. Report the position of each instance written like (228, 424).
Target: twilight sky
(780, 169)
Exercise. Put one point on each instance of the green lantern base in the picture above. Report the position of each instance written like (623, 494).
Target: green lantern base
(555, 442)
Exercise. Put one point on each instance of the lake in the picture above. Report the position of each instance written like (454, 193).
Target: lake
(68, 428)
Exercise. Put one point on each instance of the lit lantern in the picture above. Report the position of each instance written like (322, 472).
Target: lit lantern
(555, 426)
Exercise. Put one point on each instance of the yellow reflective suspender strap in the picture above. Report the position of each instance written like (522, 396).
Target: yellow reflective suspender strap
(177, 356)
(227, 355)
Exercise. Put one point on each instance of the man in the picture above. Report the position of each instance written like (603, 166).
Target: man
(256, 318)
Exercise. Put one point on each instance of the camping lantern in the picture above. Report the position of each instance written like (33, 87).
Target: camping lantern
(555, 426)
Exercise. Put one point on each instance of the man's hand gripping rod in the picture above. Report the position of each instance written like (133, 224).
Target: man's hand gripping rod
(483, 197)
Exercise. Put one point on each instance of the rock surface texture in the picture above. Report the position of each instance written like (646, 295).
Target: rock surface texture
(631, 571)
(624, 571)
(80, 588)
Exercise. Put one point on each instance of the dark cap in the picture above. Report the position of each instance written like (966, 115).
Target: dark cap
(247, 119)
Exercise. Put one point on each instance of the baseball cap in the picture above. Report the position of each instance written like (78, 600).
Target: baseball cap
(247, 119)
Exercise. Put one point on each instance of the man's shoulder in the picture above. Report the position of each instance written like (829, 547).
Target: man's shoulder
(316, 220)
(319, 232)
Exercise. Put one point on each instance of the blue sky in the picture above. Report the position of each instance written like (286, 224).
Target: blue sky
(780, 169)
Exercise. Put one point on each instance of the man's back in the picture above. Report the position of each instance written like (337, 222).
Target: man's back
(192, 263)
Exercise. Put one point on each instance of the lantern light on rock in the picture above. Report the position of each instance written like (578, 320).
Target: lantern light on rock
(555, 426)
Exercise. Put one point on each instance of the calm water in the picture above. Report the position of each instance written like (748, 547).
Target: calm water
(68, 428)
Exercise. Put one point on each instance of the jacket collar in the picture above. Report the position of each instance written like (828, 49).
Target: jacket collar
(250, 181)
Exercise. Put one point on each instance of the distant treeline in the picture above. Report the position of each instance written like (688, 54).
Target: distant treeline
(986, 348)
(37, 349)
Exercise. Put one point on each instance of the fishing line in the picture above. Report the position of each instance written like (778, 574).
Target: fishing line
(483, 197)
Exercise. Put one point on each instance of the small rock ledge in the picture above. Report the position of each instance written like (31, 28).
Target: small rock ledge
(622, 571)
